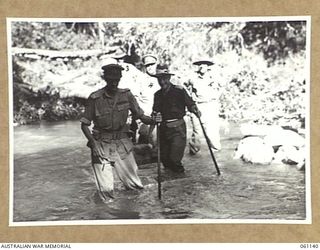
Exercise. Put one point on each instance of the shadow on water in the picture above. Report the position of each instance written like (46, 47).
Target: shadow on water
(53, 181)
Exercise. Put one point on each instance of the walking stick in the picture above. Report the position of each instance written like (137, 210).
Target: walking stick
(210, 149)
(158, 162)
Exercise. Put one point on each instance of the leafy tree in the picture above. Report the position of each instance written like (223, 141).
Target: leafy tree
(276, 40)
(259, 66)
(51, 36)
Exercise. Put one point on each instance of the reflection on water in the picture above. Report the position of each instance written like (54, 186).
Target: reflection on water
(53, 181)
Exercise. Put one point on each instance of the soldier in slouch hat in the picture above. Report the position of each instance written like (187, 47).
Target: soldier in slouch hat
(169, 108)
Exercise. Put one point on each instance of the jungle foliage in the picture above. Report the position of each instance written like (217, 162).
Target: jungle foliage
(260, 67)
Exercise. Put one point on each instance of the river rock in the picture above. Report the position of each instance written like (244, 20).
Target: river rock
(284, 137)
(253, 149)
(273, 135)
(252, 129)
(291, 155)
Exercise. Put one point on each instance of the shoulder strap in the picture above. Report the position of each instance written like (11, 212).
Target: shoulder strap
(96, 94)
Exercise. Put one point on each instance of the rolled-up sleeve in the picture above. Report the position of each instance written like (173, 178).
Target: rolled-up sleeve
(137, 112)
(88, 114)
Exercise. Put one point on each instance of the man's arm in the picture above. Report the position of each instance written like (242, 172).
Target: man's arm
(94, 145)
(194, 109)
(191, 105)
(137, 112)
(86, 131)
(85, 123)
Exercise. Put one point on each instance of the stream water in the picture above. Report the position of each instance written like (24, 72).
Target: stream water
(53, 181)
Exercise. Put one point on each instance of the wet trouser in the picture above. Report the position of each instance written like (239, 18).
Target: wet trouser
(145, 137)
(210, 120)
(125, 168)
(172, 144)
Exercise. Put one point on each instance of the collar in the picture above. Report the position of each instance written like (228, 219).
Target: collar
(108, 95)
(164, 92)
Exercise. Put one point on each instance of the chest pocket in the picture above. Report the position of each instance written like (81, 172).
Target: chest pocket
(103, 114)
(121, 114)
(112, 114)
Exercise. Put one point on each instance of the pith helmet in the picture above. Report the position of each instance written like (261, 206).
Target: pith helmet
(149, 60)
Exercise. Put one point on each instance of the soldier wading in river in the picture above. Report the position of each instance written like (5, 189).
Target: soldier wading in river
(109, 140)
(204, 90)
(170, 103)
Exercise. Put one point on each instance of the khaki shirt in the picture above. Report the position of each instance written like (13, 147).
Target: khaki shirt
(130, 79)
(141, 85)
(206, 89)
(110, 113)
(149, 86)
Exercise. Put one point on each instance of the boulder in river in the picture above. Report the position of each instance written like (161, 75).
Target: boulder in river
(291, 155)
(284, 137)
(273, 135)
(253, 149)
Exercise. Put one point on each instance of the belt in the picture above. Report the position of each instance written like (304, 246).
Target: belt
(114, 135)
(173, 123)
(171, 120)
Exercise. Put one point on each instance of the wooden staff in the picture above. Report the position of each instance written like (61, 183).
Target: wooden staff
(158, 163)
(210, 149)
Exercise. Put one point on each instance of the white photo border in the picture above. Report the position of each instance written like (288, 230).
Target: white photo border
(308, 197)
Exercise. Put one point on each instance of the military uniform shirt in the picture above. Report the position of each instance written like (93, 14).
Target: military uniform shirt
(206, 89)
(173, 103)
(106, 114)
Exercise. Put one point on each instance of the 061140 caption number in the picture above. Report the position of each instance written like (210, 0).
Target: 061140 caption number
(309, 245)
